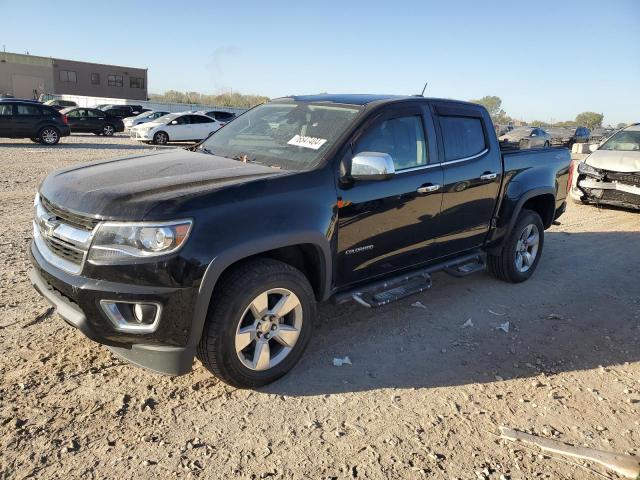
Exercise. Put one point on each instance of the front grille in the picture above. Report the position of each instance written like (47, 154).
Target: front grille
(64, 249)
(73, 219)
(627, 178)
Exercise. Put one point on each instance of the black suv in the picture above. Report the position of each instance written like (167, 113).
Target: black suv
(26, 119)
(124, 111)
(93, 120)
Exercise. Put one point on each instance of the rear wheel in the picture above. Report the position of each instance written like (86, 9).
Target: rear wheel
(521, 251)
(259, 323)
(49, 136)
(161, 138)
(108, 130)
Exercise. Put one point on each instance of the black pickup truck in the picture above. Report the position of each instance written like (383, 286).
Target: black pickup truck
(223, 250)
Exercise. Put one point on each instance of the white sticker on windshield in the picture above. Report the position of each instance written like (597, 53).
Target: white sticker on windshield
(313, 143)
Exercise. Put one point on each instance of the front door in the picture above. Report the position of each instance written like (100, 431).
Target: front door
(472, 169)
(388, 225)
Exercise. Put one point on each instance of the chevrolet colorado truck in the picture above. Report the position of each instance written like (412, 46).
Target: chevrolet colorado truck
(221, 251)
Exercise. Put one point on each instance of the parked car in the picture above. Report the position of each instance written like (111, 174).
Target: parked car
(219, 115)
(611, 173)
(175, 127)
(527, 137)
(60, 104)
(92, 120)
(26, 119)
(567, 136)
(600, 134)
(144, 118)
(224, 250)
(124, 111)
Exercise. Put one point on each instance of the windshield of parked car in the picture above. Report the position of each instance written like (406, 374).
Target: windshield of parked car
(627, 141)
(289, 135)
(167, 118)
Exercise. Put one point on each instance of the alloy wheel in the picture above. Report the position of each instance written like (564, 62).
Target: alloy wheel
(108, 130)
(269, 329)
(49, 136)
(527, 248)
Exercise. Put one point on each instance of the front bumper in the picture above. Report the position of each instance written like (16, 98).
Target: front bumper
(141, 135)
(610, 193)
(77, 300)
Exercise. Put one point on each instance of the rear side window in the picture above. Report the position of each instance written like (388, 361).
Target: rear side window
(5, 110)
(463, 137)
(28, 110)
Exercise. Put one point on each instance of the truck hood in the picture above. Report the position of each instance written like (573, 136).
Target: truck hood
(615, 160)
(127, 188)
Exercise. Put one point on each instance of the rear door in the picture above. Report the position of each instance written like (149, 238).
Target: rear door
(206, 126)
(388, 225)
(6, 119)
(76, 120)
(472, 170)
(95, 119)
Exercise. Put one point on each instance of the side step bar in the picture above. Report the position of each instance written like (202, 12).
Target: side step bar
(382, 292)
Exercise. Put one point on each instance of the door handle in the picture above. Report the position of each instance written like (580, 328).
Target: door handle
(488, 176)
(428, 188)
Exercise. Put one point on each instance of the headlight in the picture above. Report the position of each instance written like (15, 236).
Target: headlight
(586, 169)
(121, 242)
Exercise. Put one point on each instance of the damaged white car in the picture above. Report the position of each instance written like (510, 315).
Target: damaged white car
(611, 173)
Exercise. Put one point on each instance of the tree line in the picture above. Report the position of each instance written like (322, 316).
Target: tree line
(493, 104)
(227, 99)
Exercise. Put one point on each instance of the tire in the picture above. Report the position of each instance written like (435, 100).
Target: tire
(108, 130)
(49, 136)
(236, 317)
(506, 265)
(160, 138)
(35, 139)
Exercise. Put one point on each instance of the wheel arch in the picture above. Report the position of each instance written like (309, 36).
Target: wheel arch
(309, 252)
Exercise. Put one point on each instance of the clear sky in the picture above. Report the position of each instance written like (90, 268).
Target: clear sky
(546, 59)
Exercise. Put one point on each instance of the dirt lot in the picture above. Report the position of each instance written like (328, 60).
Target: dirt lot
(423, 398)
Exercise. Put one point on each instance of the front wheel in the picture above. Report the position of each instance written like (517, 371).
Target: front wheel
(259, 323)
(161, 138)
(521, 251)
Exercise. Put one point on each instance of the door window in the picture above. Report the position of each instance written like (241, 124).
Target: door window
(28, 110)
(401, 137)
(463, 137)
(95, 113)
(6, 110)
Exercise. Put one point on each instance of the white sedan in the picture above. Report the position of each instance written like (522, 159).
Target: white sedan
(175, 127)
(144, 117)
(611, 174)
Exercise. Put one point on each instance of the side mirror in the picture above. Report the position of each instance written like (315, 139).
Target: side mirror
(372, 166)
(593, 147)
(534, 135)
(174, 122)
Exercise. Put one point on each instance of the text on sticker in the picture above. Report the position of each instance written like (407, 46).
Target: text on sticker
(313, 143)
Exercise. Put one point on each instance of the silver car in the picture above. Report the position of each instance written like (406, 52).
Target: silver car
(527, 137)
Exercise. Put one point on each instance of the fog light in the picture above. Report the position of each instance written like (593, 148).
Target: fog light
(133, 317)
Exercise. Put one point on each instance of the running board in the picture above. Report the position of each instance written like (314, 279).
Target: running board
(373, 298)
(389, 290)
(477, 264)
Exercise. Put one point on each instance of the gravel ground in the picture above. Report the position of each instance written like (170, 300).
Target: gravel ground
(423, 399)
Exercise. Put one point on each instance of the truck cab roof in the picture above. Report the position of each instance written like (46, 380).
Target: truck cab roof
(362, 98)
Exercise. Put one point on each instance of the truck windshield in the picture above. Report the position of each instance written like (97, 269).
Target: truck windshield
(288, 135)
(626, 141)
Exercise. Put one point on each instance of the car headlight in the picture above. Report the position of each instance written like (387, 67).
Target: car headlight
(121, 242)
(586, 169)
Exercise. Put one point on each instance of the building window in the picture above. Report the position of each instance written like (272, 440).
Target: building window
(68, 76)
(95, 79)
(136, 82)
(114, 80)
